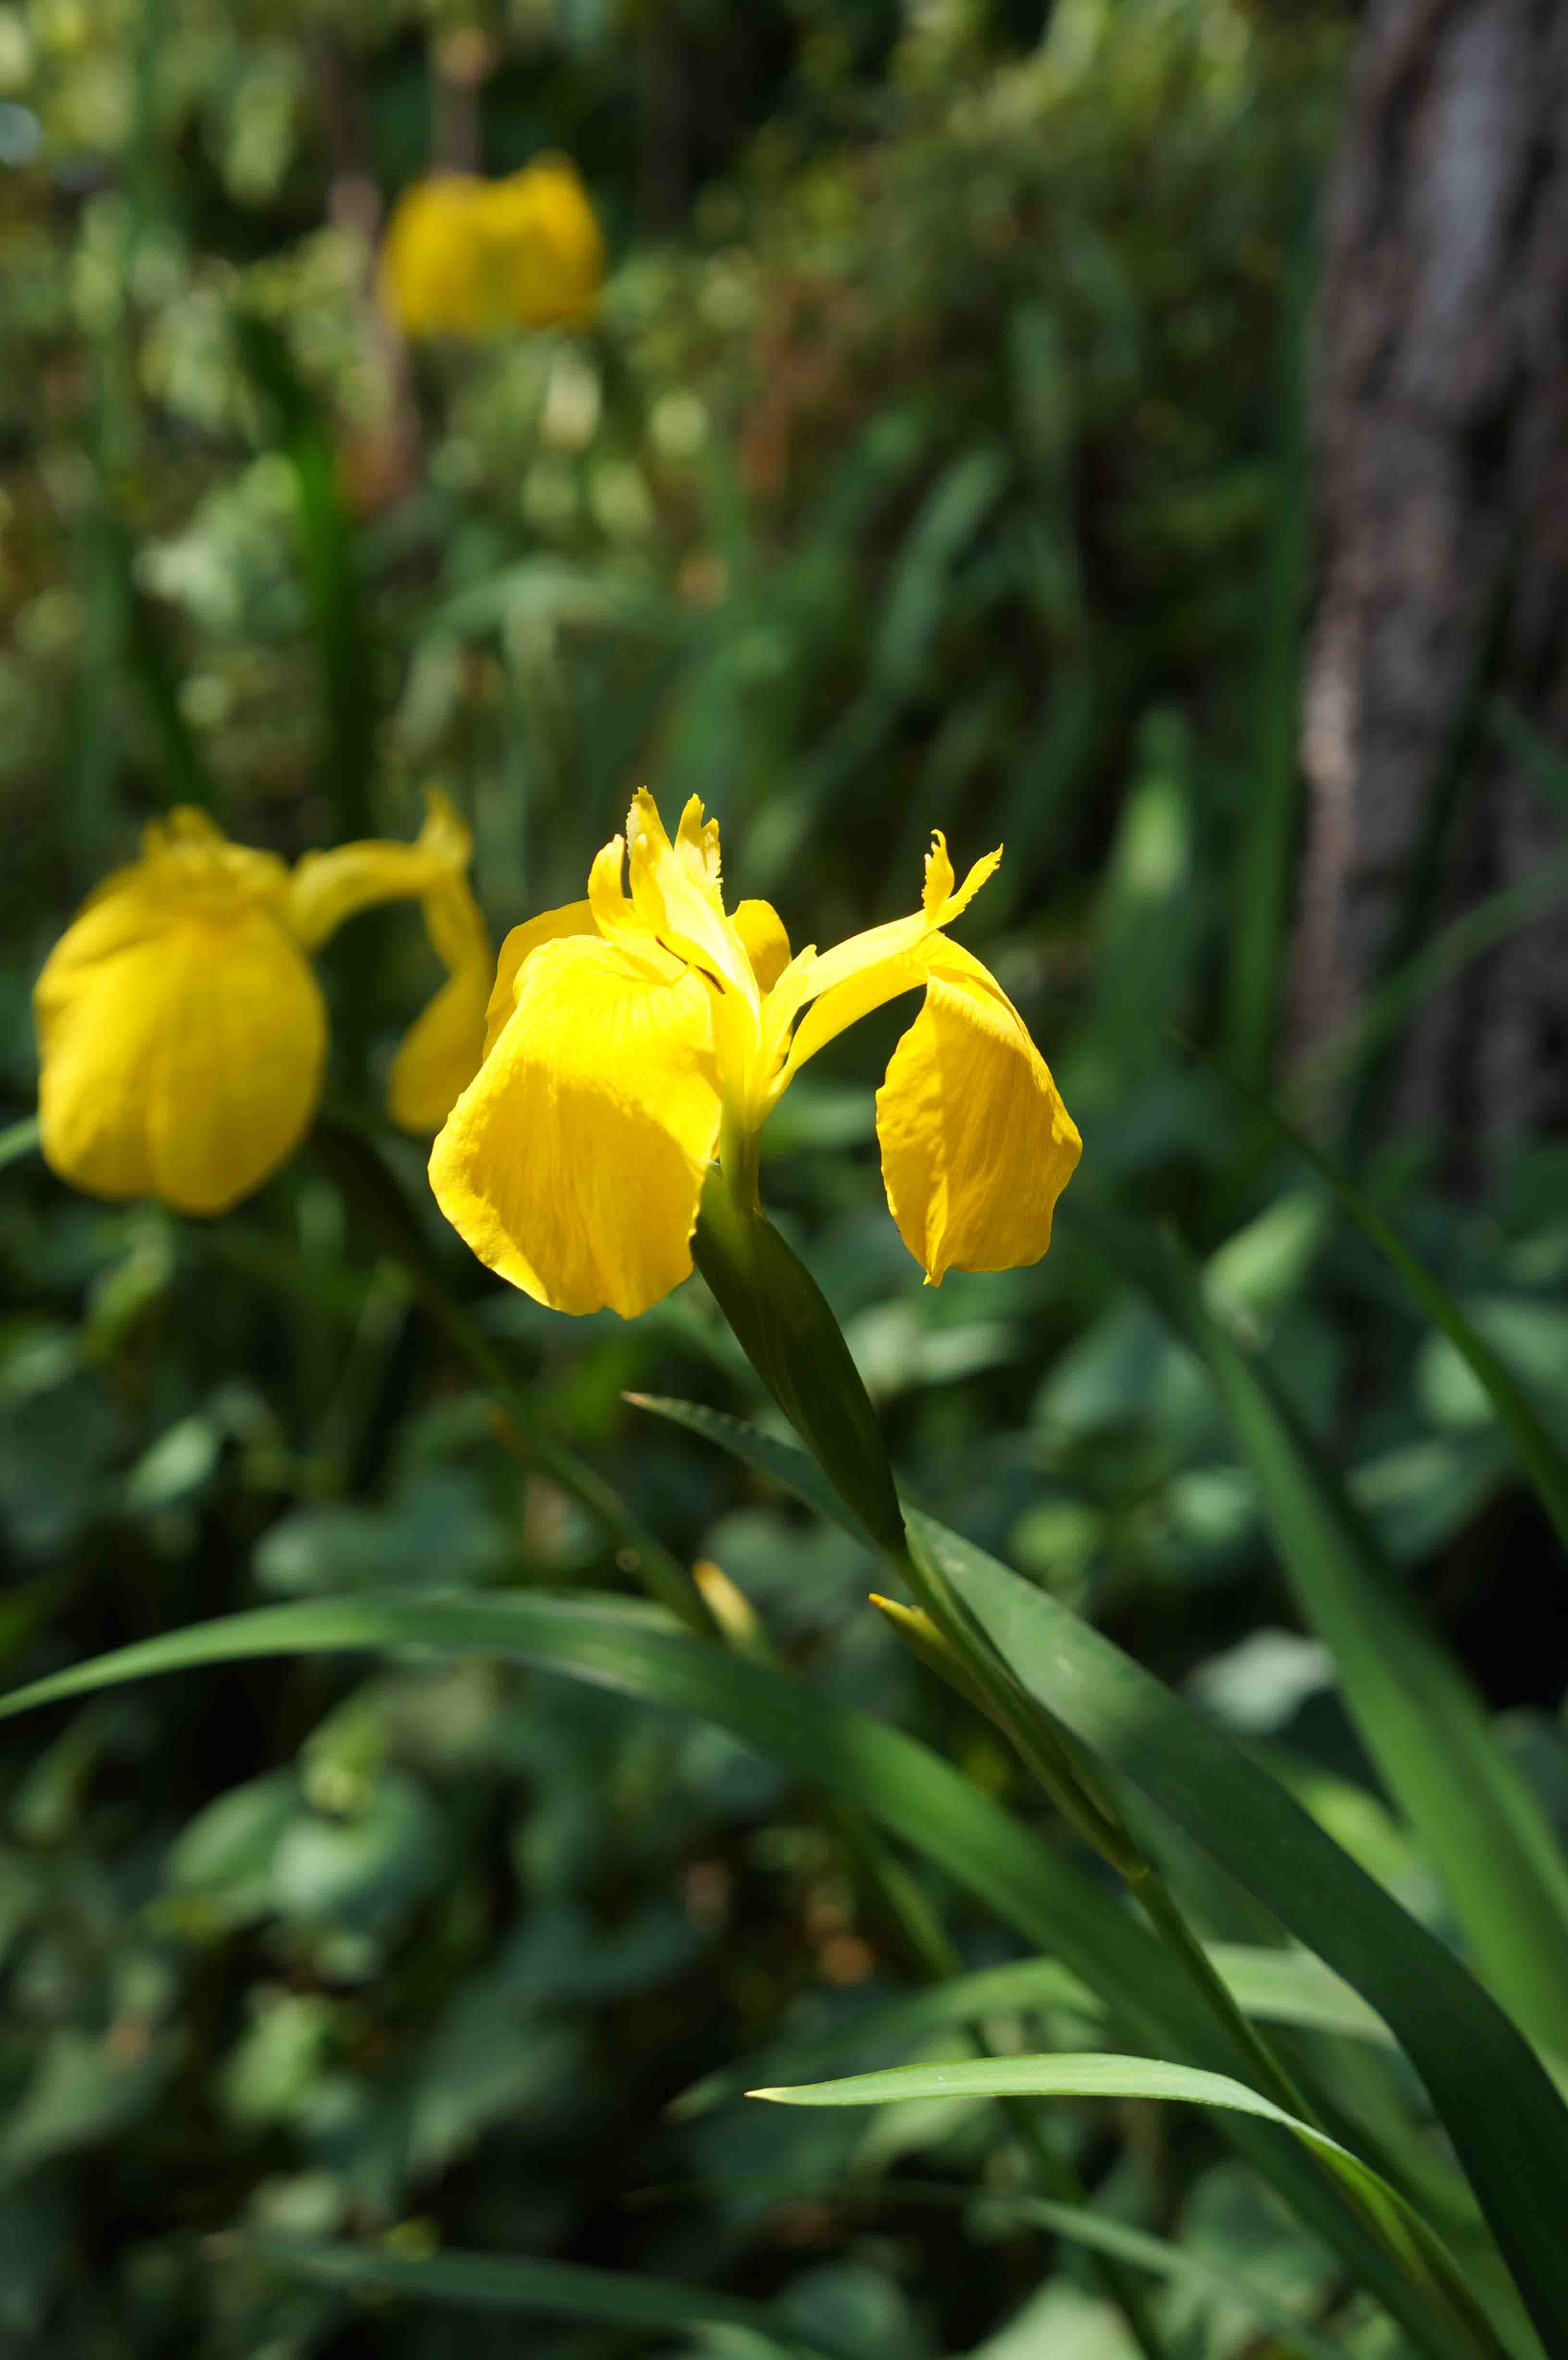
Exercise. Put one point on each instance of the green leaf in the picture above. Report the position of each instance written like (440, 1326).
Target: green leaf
(1542, 1461)
(1509, 2125)
(1443, 955)
(1097, 2076)
(557, 2289)
(351, 1152)
(1276, 1986)
(1534, 753)
(787, 1332)
(1102, 2234)
(769, 1454)
(1478, 1823)
(1027, 1882)
(328, 564)
(19, 1139)
(1260, 902)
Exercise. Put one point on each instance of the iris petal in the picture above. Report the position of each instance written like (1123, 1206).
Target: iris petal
(181, 1053)
(326, 888)
(440, 1053)
(576, 918)
(976, 1143)
(761, 930)
(574, 1163)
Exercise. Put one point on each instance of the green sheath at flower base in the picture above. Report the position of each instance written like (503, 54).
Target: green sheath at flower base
(787, 1332)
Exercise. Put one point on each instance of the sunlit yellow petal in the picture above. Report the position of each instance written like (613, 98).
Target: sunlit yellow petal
(182, 1047)
(761, 929)
(976, 1143)
(440, 1053)
(822, 975)
(577, 918)
(938, 899)
(326, 888)
(676, 888)
(621, 923)
(574, 1163)
(862, 991)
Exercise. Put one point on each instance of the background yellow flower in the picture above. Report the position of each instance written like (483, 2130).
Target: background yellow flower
(182, 1036)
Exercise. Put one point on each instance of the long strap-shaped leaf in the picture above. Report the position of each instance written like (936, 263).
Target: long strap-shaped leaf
(1479, 1825)
(1474, 2062)
(1099, 2076)
(1542, 1461)
(1273, 1985)
(1509, 2126)
(900, 1783)
(556, 2290)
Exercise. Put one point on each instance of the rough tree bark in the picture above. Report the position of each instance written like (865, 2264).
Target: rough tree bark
(1444, 467)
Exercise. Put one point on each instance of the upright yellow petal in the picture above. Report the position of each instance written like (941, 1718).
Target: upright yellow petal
(440, 1053)
(976, 1143)
(327, 888)
(574, 1163)
(675, 889)
(182, 1041)
(761, 929)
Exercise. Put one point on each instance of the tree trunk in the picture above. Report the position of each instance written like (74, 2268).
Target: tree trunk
(1443, 459)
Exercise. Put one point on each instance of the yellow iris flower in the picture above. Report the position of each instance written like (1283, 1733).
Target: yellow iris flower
(631, 1037)
(182, 1036)
(467, 257)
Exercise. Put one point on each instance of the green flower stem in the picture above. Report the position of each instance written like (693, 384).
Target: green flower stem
(738, 1161)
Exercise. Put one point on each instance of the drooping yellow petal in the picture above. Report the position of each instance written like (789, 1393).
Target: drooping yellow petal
(574, 1163)
(432, 277)
(182, 1041)
(976, 1143)
(761, 930)
(326, 888)
(440, 1053)
(577, 918)
(544, 252)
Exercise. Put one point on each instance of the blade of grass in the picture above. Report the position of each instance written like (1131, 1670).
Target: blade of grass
(900, 1783)
(1141, 2251)
(1531, 751)
(1277, 1985)
(327, 555)
(550, 2289)
(348, 1152)
(1260, 900)
(1508, 2124)
(184, 776)
(1539, 1455)
(1440, 814)
(1479, 1822)
(1450, 951)
(18, 1140)
(1102, 2076)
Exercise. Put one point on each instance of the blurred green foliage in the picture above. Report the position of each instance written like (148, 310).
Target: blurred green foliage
(928, 467)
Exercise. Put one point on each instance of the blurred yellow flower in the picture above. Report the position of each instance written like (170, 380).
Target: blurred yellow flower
(466, 257)
(182, 1036)
(632, 1037)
